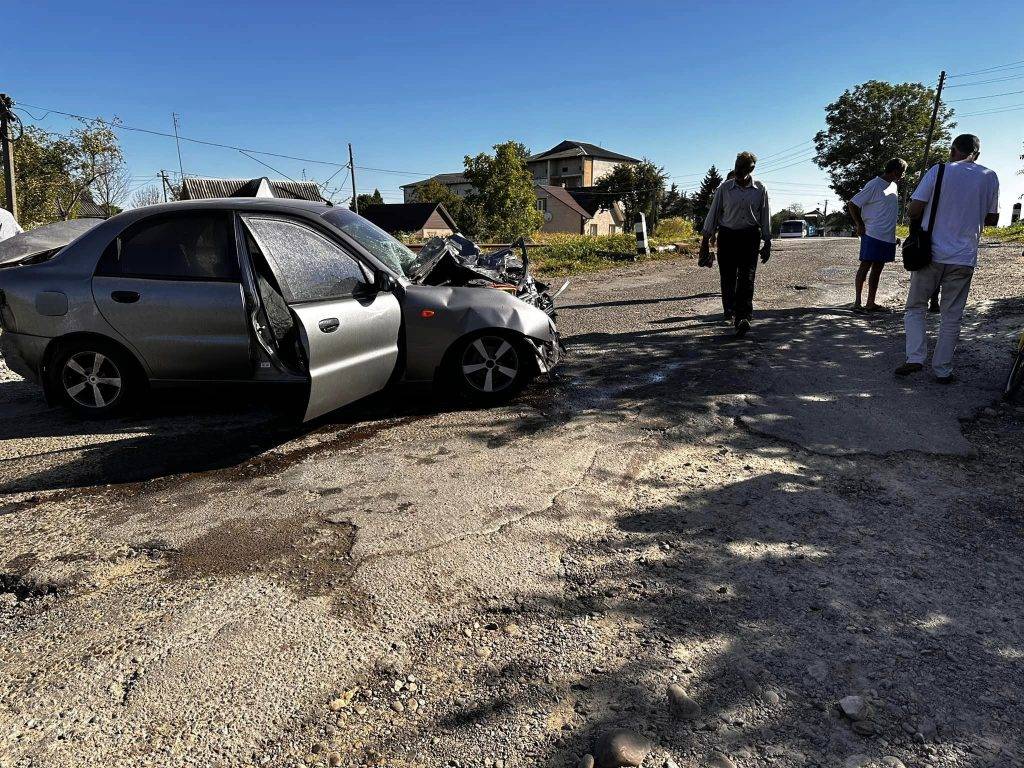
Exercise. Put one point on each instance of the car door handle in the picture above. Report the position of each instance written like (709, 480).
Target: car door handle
(329, 324)
(125, 297)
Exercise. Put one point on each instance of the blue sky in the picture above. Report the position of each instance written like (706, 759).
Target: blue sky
(415, 86)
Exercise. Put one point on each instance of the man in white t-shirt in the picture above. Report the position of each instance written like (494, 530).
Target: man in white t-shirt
(8, 225)
(874, 211)
(968, 201)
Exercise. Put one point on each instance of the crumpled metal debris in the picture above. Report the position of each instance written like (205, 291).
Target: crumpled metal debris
(458, 261)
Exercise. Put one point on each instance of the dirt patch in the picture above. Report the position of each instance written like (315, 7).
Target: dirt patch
(311, 557)
(26, 587)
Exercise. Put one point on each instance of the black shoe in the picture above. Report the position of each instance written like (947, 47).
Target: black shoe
(742, 326)
(728, 317)
(908, 368)
(945, 379)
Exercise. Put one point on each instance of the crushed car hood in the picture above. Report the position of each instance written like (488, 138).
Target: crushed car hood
(457, 261)
(43, 241)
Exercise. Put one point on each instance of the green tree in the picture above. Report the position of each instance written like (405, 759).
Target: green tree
(367, 200)
(702, 197)
(640, 188)
(876, 121)
(53, 171)
(676, 203)
(503, 193)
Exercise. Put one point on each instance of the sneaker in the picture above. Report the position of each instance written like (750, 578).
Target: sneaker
(945, 379)
(908, 368)
(727, 317)
(742, 326)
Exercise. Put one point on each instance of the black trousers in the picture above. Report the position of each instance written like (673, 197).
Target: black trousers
(737, 264)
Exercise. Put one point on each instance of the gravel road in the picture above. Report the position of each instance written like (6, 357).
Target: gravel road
(689, 549)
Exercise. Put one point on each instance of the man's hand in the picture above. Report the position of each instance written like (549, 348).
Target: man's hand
(705, 258)
(861, 230)
(766, 251)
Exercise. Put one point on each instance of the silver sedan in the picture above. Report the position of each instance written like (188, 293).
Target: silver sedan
(254, 290)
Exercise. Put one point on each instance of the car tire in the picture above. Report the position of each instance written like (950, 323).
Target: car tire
(491, 367)
(94, 378)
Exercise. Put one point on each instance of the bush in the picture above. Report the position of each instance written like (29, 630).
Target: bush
(675, 229)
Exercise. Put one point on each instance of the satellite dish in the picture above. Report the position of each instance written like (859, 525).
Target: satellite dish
(547, 215)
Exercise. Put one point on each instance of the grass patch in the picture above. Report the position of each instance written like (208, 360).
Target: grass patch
(563, 254)
(1014, 233)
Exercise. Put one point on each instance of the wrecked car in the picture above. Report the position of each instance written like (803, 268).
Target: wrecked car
(269, 291)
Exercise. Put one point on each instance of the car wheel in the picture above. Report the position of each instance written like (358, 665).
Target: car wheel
(92, 378)
(491, 367)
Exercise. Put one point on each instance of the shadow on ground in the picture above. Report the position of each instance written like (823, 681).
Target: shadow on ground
(771, 594)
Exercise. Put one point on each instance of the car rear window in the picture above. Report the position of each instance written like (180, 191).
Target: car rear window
(190, 247)
(309, 266)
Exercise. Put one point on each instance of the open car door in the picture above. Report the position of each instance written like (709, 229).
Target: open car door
(348, 322)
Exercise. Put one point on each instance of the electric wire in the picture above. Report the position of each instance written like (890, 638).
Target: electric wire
(990, 96)
(1011, 65)
(986, 82)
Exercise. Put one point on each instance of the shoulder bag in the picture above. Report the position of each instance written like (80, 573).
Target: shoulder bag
(917, 248)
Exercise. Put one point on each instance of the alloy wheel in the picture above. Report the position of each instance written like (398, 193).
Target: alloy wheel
(91, 379)
(490, 364)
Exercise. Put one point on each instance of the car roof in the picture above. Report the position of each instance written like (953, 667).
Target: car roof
(265, 204)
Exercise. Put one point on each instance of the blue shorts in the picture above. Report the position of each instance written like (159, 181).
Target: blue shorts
(872, 249)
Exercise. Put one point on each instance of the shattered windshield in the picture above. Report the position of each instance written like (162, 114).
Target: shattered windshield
(374, 239)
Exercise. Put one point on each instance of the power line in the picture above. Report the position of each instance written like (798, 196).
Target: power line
(783, 167)
(268, 165)
(996, 111)
(208, 143)
(986, 82)
(1011, 65)
(784, 151)
(785, 159)
(123, 127)
(990, 96)
(388, 170)
(786, 163)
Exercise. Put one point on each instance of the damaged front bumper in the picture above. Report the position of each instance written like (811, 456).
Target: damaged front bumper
(548, 353)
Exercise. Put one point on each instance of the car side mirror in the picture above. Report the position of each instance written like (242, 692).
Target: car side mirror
(384, 282)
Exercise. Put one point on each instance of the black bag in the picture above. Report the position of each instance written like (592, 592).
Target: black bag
(917, 248)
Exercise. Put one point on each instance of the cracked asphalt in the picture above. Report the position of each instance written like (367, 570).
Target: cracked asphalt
(774, 523)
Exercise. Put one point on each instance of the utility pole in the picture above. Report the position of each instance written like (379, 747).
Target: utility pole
(931, 126)
(165, 183)
(6, 119)
(174, 117)
(352, 170)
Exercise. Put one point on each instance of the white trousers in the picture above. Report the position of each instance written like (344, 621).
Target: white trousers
(955, 282)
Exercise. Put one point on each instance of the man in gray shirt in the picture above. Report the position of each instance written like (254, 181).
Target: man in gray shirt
(739, 219)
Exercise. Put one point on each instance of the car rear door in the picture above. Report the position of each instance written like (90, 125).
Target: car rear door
(170, 285)
(348, 329)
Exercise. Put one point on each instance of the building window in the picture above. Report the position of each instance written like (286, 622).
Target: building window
(593, 229)
(542, 204)
(565, 168)
(611, 229)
